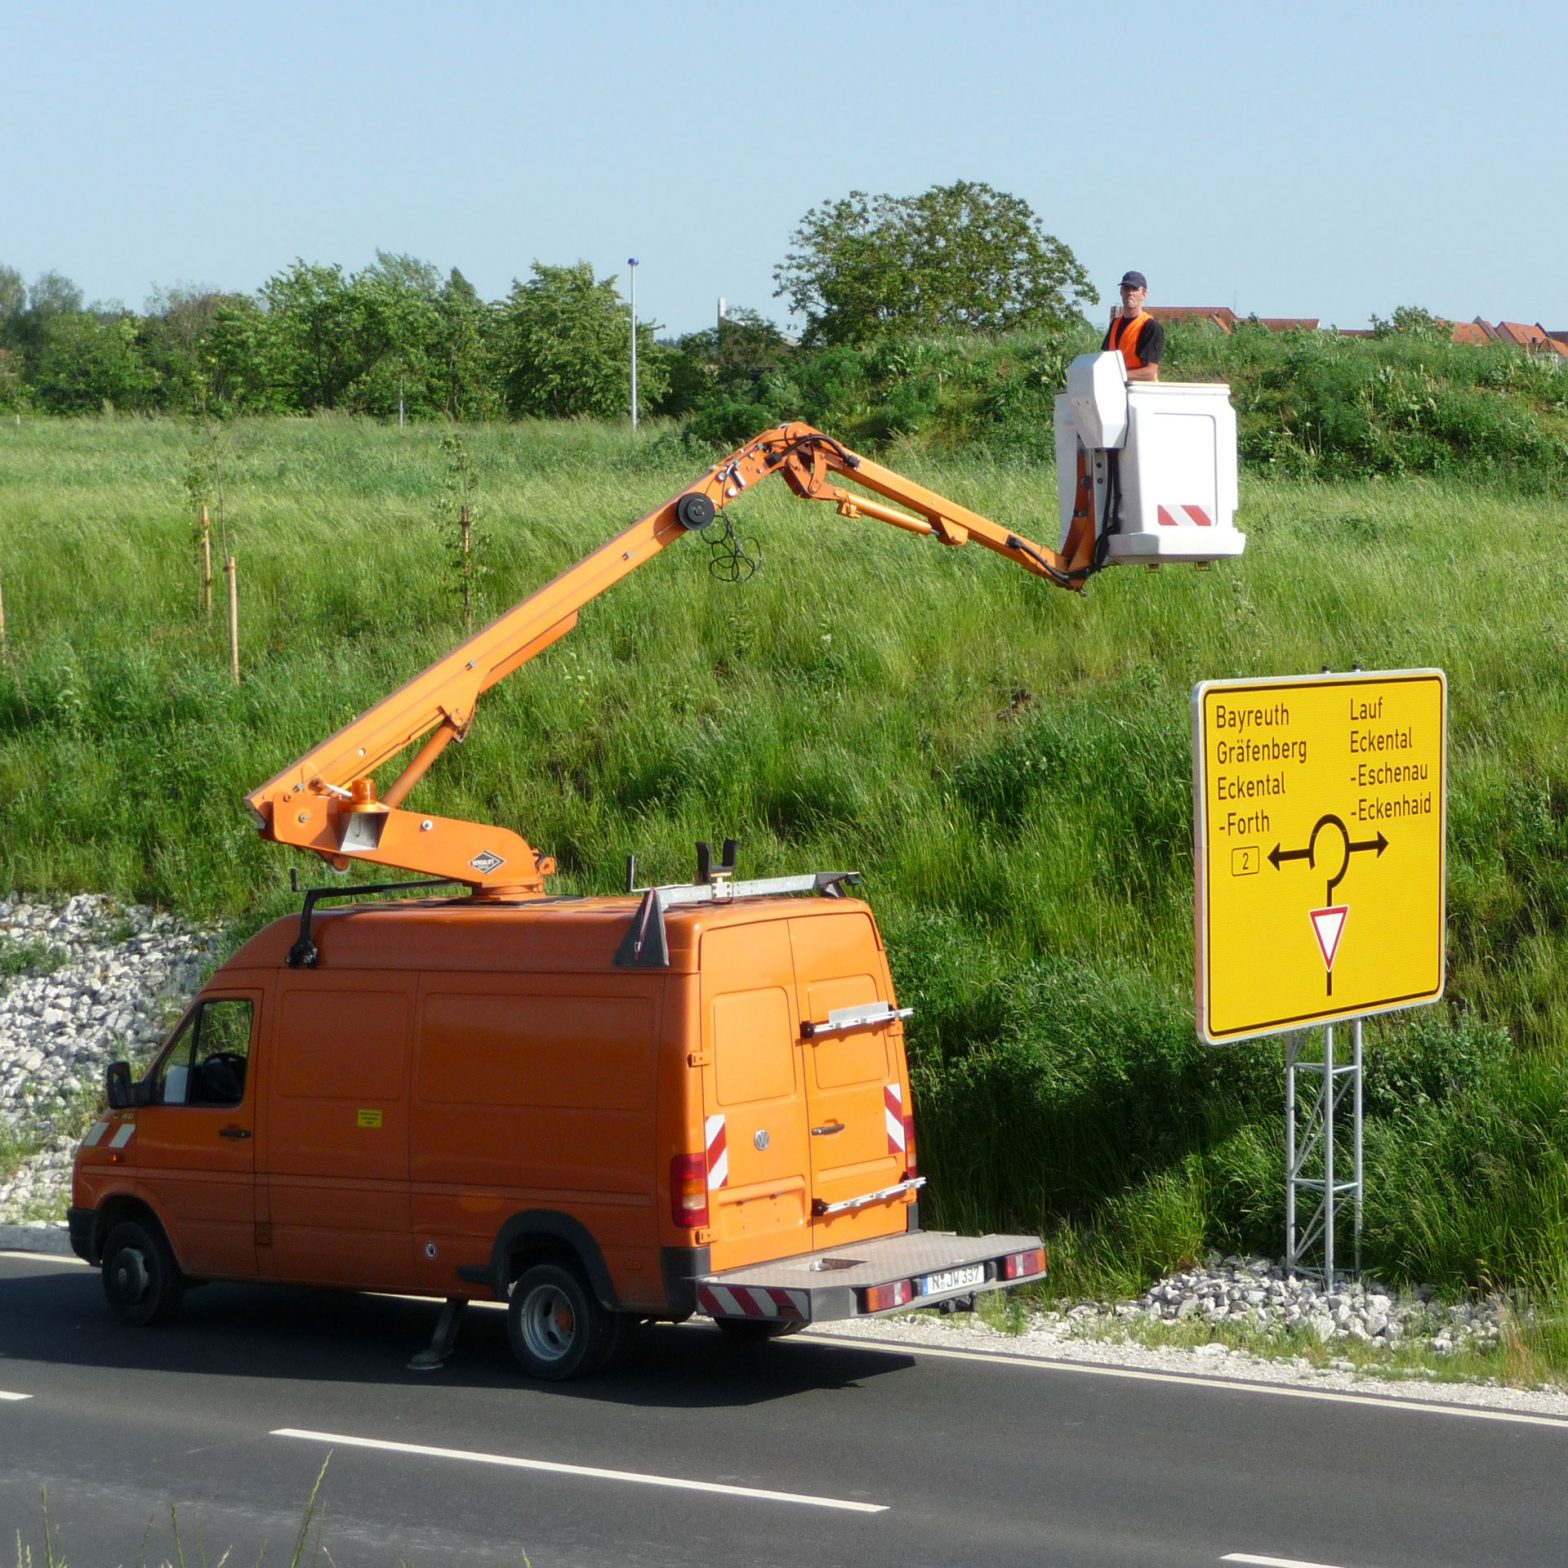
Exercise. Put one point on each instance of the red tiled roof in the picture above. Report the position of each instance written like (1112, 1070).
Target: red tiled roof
(1471, 332)
(1289, 323)
(1221, 315)
(1357, 332)
(1521, 333)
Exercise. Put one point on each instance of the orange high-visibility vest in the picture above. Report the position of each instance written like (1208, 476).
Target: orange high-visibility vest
(1125, 335)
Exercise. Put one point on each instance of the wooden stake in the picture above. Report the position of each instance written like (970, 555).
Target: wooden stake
(206, 559)
(232, 572)
(468, 573)
(5, 647)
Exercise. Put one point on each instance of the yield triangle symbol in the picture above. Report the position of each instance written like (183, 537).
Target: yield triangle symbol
(1328, 925)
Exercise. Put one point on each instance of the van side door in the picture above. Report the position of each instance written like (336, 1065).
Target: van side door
(337, 1130)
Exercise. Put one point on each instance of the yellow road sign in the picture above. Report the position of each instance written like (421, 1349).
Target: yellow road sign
(1321, 804)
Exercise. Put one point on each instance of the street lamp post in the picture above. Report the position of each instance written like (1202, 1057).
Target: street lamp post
(631, 263)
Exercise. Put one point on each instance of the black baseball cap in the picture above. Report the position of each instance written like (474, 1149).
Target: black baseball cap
(1134, 280)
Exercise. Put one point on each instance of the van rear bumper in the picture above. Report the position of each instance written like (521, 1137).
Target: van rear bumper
(869, 1279)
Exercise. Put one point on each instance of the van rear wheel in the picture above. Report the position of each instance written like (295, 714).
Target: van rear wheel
(142, 1281)
(556, 1326)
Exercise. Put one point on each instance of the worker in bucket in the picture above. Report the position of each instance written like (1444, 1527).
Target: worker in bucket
(1134, 333)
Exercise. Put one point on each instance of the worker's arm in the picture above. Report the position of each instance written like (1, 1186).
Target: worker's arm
(1144, 373)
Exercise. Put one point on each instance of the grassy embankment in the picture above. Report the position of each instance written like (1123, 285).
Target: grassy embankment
(1008, 764)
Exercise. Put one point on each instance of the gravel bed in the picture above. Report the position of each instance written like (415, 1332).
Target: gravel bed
(101, 982)
(1056, 1339)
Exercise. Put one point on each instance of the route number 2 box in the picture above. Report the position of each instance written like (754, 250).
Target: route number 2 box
(1320, 806)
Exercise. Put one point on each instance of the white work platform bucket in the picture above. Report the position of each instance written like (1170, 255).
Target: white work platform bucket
(1174, 466)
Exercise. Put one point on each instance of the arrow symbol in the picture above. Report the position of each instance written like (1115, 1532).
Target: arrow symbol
(1347, 848)
(1379, 843)
(1277, 854)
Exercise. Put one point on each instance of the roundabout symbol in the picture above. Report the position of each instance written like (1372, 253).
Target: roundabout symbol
(1328, 923)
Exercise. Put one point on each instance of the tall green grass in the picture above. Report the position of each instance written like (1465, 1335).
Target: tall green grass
(1008, 764)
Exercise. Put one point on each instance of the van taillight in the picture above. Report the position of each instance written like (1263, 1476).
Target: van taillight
(689, 1190)
(911, 1163)
(883, 1298)
(1021, 1265)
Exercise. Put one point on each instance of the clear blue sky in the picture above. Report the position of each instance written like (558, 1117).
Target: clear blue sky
(1331, 160)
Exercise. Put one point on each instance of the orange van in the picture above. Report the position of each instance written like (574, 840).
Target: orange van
(600, 1110)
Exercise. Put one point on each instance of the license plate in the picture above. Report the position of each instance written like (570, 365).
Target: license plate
(953, 1279)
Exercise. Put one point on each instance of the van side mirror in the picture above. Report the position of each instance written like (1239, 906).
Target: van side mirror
(117, 1082)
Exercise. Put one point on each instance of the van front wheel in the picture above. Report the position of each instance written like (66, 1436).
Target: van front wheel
(140, 1277)
(556, 1326)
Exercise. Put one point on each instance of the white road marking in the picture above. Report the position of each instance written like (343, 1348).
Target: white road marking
(1271, 1562)
(588, 1472)
(1188, 1380)
(13, 1397)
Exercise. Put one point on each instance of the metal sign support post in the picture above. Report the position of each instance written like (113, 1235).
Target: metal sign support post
(1312, 1129)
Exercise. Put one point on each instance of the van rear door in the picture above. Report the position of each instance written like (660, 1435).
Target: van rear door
(754, 1096)
(856, 1082)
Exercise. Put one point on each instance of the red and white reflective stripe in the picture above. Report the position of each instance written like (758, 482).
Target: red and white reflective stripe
(718, 1153)
(752, 1301)
(893, 1112)
(1196, 514)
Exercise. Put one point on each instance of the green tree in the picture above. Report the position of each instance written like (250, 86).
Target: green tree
(237, 362)
(25, 313)
(1414, 321)
(462, 374)
(175, 335)
(13, 303)
(87, 359)
(315, 331)
(565, 347)
(15, 394)
(958, 257)
(729, 360)
(396, 323)
(392, 336)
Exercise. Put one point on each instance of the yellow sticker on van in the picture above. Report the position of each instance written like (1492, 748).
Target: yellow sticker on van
(370, 1118)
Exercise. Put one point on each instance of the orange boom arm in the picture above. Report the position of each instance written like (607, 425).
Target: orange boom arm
(327, 801)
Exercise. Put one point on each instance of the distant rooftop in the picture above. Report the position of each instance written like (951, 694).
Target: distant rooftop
(1533, 339)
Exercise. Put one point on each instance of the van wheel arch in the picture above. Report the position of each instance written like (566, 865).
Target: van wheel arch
(116, 1211)
(543, 1236)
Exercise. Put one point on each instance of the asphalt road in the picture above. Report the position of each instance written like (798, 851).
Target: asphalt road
(804, 1452)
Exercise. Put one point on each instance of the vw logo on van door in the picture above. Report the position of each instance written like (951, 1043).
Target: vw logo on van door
(761, 1139)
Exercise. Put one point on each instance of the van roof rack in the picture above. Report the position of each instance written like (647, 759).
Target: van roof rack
(646, 943)
(304, 954)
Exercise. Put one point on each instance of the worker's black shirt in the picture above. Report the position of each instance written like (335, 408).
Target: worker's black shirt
(1151, 342)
